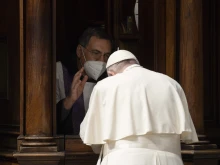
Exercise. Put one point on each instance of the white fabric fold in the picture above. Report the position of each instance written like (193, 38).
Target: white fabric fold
(141, 156)
(120, 107)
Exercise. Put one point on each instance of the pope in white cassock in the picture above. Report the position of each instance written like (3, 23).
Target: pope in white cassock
(138, 116)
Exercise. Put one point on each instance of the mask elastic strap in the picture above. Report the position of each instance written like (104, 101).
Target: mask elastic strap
(83, 52)
(84, 58)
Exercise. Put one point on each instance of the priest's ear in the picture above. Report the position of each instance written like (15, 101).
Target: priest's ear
(79, 51)
(111, 73)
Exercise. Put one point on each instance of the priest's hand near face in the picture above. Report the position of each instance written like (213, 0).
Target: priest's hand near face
(77, 87)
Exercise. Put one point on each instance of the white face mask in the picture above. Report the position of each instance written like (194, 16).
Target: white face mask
(94, 69)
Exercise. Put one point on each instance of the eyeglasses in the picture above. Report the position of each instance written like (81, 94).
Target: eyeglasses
(97, 54)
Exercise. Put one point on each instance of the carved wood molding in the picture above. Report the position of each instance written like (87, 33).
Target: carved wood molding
(7, 156)
(74, 144)
(8, 142)
(44, 158)
(202, 150)
(9, 129)
(39, 150)
(83, 158)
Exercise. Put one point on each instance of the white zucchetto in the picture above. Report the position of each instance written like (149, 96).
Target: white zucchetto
(119, 56)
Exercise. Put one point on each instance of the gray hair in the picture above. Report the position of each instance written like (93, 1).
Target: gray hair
(94, 31)
(120, 66)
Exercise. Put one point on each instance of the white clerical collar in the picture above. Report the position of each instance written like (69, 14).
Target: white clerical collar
(131, 66)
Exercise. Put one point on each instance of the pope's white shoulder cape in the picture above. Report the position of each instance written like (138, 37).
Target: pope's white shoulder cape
(136, 102)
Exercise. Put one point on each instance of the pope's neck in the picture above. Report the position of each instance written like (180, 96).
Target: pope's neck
(129, 66)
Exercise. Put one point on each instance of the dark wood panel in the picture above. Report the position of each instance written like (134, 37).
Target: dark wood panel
(160, 36)
(81, 158)
(209, 61)
(211, 49)
(191, 59)
(152, 43)
(38, 68)
(109, 16)
(3, 67)
(8, 137)
(8, 143)
(171, 30)
(75, 144)
(77, 152)
(147, 31)
(9, 27)
(6, 158)
(218, 57)
(73, 17)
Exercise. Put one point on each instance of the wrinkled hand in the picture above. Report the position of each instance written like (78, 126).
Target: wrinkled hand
(77, 85)
(76, 90)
